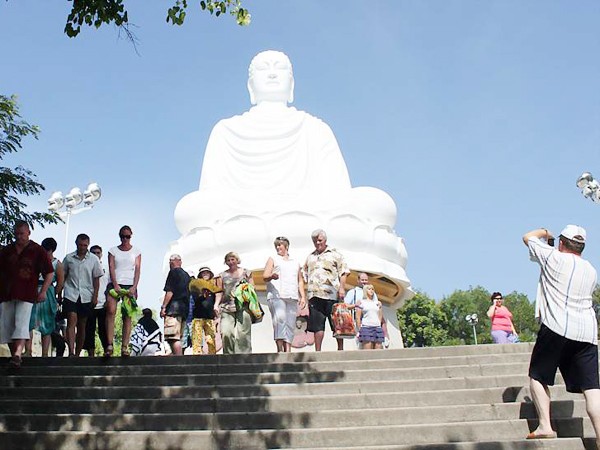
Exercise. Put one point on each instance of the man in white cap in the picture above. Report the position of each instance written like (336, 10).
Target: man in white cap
(568, 335)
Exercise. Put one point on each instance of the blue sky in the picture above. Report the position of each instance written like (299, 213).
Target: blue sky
(476, 117)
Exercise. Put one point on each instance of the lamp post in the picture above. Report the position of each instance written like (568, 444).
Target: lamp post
(74, 202)
(473, 320)
(590, 187)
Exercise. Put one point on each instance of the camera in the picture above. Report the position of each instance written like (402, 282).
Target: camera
(551, 241)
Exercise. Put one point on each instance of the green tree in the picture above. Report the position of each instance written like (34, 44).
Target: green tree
(18, 181)
(523, 312)
(460, 304)
(98, 12)
(422, 322)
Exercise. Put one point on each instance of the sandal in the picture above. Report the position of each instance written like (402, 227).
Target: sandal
(15, 362)
(109, 351)
(125, 352)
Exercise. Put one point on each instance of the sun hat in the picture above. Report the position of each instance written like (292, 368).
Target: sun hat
(206, 269)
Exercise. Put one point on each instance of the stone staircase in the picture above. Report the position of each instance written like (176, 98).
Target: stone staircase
(446, 398)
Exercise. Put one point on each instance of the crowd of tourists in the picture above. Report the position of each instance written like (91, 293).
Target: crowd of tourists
(65, 301)
(72, 301)
(37, 292)
(200, 311)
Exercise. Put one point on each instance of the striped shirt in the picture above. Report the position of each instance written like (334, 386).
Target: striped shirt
(564, 295)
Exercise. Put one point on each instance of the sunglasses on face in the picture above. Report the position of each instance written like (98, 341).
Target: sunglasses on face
(125, 236)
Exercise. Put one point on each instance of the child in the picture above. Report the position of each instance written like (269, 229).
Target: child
(368, 319)
(204, 291)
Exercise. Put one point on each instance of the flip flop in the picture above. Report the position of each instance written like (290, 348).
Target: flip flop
(533, 435)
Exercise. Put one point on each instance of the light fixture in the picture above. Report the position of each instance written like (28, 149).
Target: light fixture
(56, 201)
(472, 319)
(72, 203)
(91, 194)
(73, 198)
(590, 187)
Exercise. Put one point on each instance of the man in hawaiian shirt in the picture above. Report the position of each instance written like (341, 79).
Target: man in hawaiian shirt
(325, 271)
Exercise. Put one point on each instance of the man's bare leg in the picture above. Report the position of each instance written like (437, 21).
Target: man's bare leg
(592, 405)
(318, 340)
(176, 349)
(80, 336)
(541, 399)
(70, 337)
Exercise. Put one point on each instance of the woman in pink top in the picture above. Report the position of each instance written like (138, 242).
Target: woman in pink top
(503, 330)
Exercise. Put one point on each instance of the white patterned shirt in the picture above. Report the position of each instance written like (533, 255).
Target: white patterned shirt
(323, 272)
(564, 295)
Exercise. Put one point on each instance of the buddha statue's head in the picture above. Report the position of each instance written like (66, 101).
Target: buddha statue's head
(270, 78)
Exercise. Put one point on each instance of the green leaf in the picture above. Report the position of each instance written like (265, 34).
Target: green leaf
(18, 181)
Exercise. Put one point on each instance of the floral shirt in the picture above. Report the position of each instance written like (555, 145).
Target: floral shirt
(229, 284)
(323, 272)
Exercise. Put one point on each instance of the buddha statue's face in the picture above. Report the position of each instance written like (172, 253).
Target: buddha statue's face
(271, 78)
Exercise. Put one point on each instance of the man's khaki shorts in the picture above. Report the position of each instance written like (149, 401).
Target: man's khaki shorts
(173, 328)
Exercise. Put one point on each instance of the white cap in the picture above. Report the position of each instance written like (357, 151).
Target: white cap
(574, 233)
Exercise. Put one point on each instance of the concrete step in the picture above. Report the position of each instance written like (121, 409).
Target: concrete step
(342, 437)
(146, 374)
(182, 365)
(287, 419)
(451, 398)
(548, 444)
(192, 403)
(299, 357)
(277, 386)
(204, 390)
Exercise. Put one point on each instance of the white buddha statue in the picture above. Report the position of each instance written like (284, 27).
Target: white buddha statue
(276, 171)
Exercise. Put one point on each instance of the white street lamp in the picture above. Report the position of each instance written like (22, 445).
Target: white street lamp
(72, 203)
(473, 320)
(590, 187)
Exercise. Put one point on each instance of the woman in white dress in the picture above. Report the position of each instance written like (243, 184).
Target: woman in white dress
(285, 292)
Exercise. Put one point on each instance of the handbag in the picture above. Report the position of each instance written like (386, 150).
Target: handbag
(245, 294)
(513, 338)
(172, 326)
(257, 317)
(343, 322)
